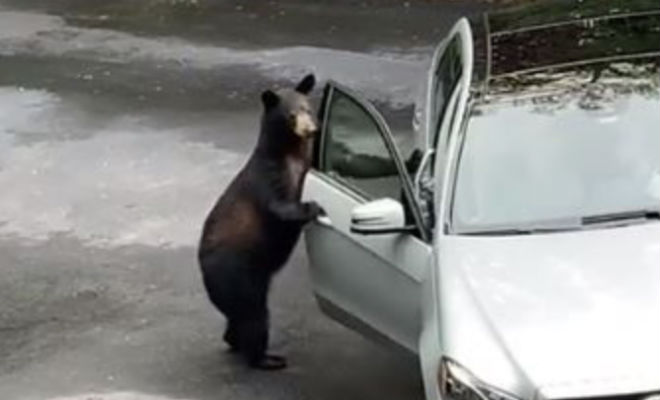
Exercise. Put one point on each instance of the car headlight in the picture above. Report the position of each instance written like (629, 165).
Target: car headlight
(456, 383)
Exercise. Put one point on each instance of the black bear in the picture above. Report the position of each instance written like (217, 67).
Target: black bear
(253, 228)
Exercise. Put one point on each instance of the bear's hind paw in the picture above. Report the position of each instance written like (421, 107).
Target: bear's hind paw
(270, 362)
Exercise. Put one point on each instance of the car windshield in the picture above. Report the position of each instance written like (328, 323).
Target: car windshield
(555, 148)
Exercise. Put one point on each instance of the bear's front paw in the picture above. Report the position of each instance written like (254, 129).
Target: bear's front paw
(314, 210)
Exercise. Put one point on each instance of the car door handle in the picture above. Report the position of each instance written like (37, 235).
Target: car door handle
(324, 220)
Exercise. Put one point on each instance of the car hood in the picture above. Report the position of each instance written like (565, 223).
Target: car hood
(578, 313)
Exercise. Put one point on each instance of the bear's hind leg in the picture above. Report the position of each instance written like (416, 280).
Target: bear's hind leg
(231, 337)
(253, 339)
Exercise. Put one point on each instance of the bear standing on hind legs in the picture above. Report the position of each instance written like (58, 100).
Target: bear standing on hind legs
(251, 231)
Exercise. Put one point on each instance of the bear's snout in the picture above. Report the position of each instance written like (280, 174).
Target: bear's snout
(305, 125)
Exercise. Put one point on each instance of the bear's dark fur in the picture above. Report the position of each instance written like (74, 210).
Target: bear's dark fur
(251, 231)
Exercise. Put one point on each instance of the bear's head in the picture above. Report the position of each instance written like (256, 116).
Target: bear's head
(288, 115)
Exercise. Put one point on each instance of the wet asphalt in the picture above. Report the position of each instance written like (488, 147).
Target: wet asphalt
(120, 124)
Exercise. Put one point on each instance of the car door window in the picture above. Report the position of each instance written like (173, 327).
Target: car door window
(357, 149)
(355, 152)
(447, 75)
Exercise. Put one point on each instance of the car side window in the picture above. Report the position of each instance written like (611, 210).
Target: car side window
(355, 151)
(447, 75)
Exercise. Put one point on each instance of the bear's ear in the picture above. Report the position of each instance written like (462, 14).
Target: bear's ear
(270, 99)
(306, 85)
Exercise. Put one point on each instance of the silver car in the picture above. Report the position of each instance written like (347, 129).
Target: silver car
(515, 248)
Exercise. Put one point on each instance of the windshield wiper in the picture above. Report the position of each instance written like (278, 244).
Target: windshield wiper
(638, 215)
(516, 231)
(567, 224)
(559, 225)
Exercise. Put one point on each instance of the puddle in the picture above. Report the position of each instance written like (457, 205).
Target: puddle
(386, 74)
(115, 396)
(125, 183)
(22, 24)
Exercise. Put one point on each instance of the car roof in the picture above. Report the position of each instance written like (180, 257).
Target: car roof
(550, 37)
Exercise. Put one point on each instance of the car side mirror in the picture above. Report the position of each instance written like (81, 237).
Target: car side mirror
(379, 217)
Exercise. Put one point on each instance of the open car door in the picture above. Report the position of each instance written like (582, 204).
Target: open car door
(371, 282)
(443, 113)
